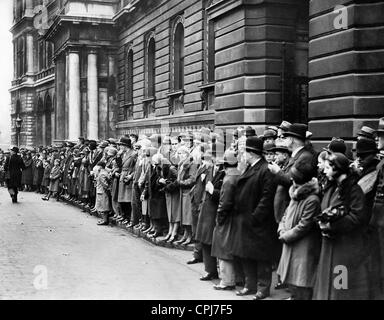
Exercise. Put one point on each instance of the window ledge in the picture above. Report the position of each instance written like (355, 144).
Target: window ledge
(149, 99)
(207, 86)
(176, 93)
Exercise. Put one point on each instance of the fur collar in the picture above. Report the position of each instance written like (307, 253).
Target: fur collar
(302, 192)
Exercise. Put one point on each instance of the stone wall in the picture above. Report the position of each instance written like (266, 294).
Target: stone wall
(346, 68)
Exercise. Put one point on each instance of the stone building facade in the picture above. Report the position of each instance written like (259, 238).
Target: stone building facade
(113, 67)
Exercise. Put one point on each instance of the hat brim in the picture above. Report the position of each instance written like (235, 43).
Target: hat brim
(281, 149)
(254, 150)
(294, 135)
(379, 131)
(367, 151)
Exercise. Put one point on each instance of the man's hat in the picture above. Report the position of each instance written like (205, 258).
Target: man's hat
(103, 144)
(366, 132)
(15, 149)
(285, 125)
(254, 144)
(297, 130)
(230, 158)
(366, 146)
(380, 129)
(250, 132)
(336, 145)
(269, 134)
(124, 141)
(269, 147)
(112, 151)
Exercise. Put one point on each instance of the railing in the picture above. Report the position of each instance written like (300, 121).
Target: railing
(45, 73)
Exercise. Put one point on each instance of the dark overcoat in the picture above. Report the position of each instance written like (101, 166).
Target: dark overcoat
(255, 229)
(156, 194)
(222, 233)
(38, 172)
(347, 246)
(27, 175)
(13, 168)
(207, 218)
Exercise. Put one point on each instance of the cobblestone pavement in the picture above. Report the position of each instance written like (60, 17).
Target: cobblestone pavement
(85, 261)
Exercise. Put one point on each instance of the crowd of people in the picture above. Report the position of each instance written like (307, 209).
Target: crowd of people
(261, 203)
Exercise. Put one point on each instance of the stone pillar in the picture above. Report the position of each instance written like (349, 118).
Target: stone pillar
(74, 98)
(93, 96)
(60, 132)
(30, 66)
(345, 68)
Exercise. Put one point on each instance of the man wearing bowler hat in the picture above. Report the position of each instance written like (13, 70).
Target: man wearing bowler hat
(254, 230)
(377, 220)
(13, 168)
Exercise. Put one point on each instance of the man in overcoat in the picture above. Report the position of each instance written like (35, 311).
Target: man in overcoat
(254, 232)
(14, 166)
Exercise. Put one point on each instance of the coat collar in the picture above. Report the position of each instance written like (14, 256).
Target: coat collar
(250, 171)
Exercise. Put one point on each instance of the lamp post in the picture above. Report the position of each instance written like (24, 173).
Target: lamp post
(19, 122)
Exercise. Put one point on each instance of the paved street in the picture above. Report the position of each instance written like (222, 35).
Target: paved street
(84, 261)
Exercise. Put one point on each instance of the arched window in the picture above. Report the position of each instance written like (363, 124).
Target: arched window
(129, 77)
(20, 57)
(178, 54)
(151, 68)
(128, 112)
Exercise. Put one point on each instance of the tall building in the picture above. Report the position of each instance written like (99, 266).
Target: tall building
(106, 68)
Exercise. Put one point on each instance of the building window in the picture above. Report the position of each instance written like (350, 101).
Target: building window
(179, 57)
(128, 85)
(208, 88)
(20, 57)
(41, 55)
(176, 96)
(151, 68)
(150, 76)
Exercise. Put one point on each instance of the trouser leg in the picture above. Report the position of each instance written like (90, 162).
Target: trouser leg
(210, 263)
(264, 276)
(249, 267)
(227, 273)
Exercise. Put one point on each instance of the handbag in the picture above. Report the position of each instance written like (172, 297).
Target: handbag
(332, 214)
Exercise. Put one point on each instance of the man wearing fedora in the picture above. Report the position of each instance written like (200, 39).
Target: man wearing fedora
(377, 219)
(255, 230)
(295, 139)
(13, 168)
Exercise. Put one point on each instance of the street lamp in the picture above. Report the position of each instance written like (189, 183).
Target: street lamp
(19, 122)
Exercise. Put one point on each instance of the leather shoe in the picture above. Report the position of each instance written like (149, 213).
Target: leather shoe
(219, 287)
(245, 292)
(280, 286)
(194, 261)
(260, 296)
(209, 277)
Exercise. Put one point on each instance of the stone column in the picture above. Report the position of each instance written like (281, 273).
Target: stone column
(29, 54)
(60, 133)
(74, 98)
(93, 96)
